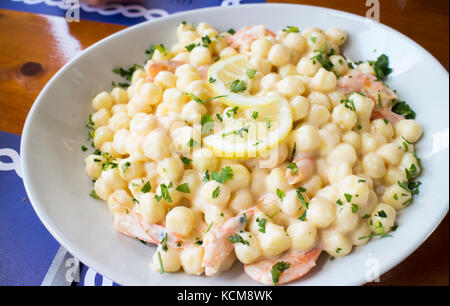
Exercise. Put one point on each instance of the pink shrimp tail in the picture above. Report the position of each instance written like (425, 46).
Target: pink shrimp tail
(153, 67)
(216, 244)
(300, 263)
(131, 225)
(242, 39)
(383, 113)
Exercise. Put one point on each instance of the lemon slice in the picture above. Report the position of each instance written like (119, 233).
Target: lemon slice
(235, 69)
(251, 132)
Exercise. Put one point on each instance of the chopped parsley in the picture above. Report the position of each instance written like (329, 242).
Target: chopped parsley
(255, 115)
(120, 84)
(291, 29)
(161, 267)
(355, 208)
(251, 73)
(280, 194)
(277, 269)
(231, 112)
(381, 67)
(293, 151)
(83, 148)
(262, 225)
(268, 124)
(206, 177)
(206, 41)
(231, 31)
(349, 104)
(164, 193)
(293, 167)
(207, 123)
(236, 238)
(183, 188)
(125, 166)
(146, 188)
(402, 108)
(239, 132)
(93, 194)
(200, 101)
(216, 192)
(211, 80)
(164, 243)
(224, 175)
(186, 161)
(209, 227)
(151, 50)
(303, 216)
(348, 197)
(323, 60)
(192, 143)
(412, 172)
(238, 86)
(109, 162)
(191, 47)
(127, 73)
(219, 117)
(299, 191)
(382, 235)
(381, 214)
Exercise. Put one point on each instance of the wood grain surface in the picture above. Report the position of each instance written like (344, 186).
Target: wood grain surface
(33, 47)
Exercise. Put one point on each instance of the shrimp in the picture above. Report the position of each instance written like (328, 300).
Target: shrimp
(382, 96)
(242, 39)
(131, 225)
(299, 263)
(203, 71)
(216, 244)
(153, 67)
(305, 169)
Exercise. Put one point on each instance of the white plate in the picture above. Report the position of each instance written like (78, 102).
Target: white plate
(55, 130)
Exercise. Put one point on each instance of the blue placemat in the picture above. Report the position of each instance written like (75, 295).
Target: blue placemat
(29, 255)
(121, 13)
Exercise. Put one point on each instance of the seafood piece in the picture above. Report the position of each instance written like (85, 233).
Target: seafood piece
(216, 244)
(296, 264)
(356, 81)
(153, 67)
(305, 169)
(242, 39)
(381, 95)
(132, 225)
(384, 113)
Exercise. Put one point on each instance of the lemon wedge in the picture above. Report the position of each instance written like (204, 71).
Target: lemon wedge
(232, 78)
(252, 131)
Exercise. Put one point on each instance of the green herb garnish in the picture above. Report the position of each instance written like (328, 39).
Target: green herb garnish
(224, 175)
(146, 188)
(183, 188)
(236, 238)
(280, 194)
(277, 269)
(238, 86)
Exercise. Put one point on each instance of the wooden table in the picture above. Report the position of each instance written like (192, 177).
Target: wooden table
(33, 47)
